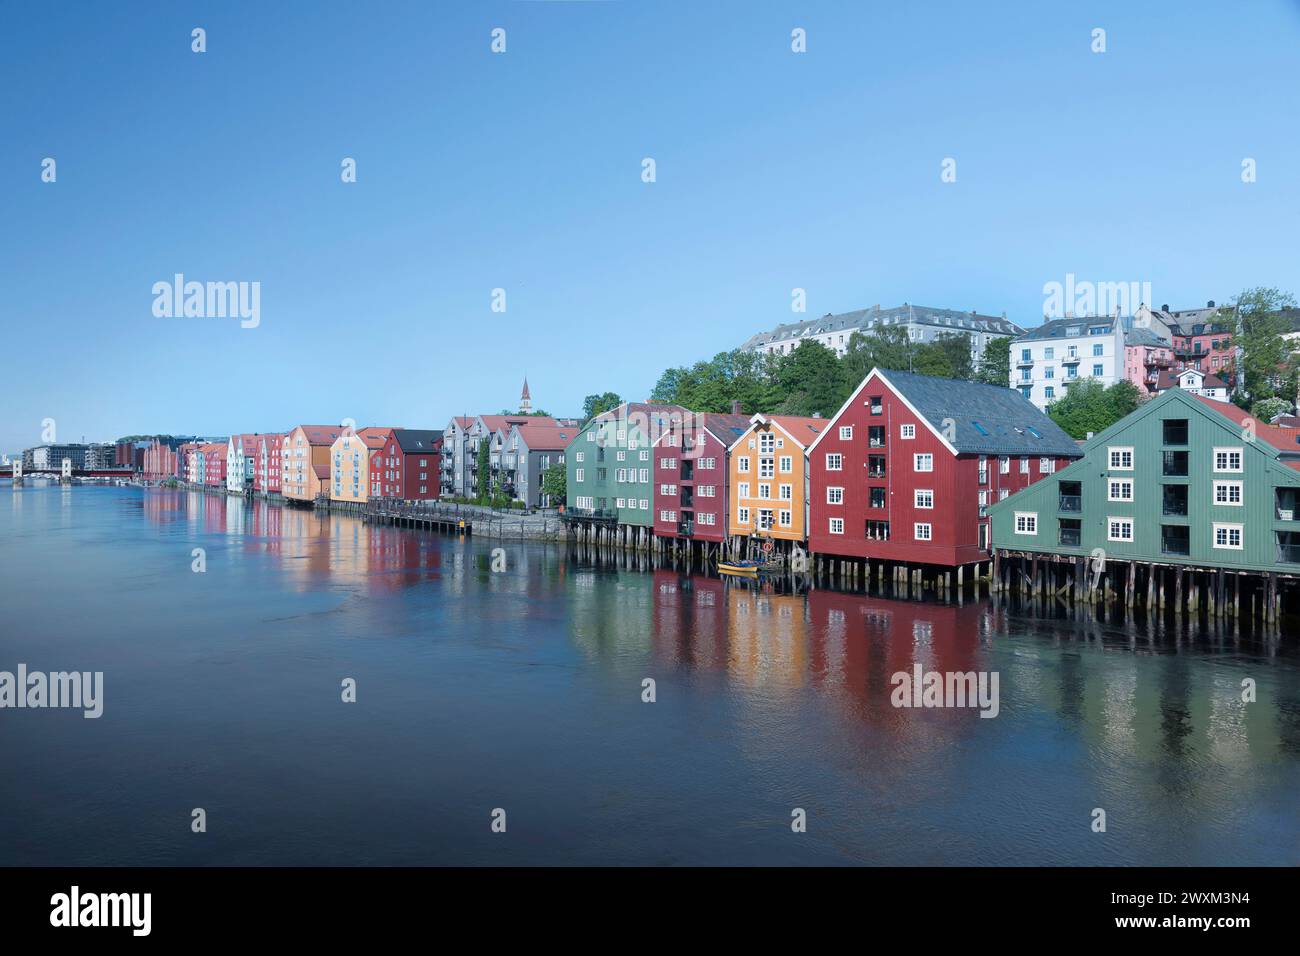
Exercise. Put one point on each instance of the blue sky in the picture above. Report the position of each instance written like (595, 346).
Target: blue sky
(522, 171)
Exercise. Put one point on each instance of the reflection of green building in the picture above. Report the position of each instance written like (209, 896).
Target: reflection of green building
(609, 468)
(1181, 481)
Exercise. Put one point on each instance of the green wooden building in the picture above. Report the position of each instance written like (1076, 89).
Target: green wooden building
(610, 471)
(1183, 482)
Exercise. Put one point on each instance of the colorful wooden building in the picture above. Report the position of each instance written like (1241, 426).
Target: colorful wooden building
(690, 501)
(608, 467)
(1184, 483)
(242, 452)
(305, 462)
(212, 464)
(266, 480)
(407, 466)
(906, 469)
(350, 463)
(767, 478)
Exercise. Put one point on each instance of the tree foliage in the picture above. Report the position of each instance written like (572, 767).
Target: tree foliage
(1089, 406)
(995, 362)
(484, 483)
(1268, 408)
(555, 483)
(1269, 367)
(594, 405)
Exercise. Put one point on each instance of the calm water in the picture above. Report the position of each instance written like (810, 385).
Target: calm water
(522, 690)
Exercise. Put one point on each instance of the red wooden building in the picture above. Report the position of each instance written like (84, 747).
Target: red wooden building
(407, 465)
(690, 477)
(266, 472)
(214, 457)
(905, 468)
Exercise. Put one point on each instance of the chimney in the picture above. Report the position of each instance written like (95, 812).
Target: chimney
(1165, 307)
(736, 407)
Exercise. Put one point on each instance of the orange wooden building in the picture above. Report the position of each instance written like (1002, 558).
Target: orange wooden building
(767, 481)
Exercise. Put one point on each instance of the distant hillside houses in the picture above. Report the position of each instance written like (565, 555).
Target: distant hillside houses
(923, 325)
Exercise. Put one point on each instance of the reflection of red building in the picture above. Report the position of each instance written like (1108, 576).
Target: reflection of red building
(690, 619)
(160, 462)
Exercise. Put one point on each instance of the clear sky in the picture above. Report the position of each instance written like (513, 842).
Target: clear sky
(522, 171)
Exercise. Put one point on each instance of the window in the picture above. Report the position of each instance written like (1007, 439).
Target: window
(1026, 522)
(1046, 466)
(787, 464)
(708, 462)
(1025, 356)
(1121, 489)
(923, 498)
(1119, 529)
(644, 454)
(1227, 459)
(787, 492)
(645, 475)
(621, 456)
(766, 442)
(1049, 373)
(620, 502)
(1004, 465)
(923, 462)
(1227, 536)
(667, 462)
(834, 462)
(906, 431)
(645, 505)
(876, 408)
(742, 515)
(846, 432)
(877, 499)
(786, 518)
(764, 490)
(921, 531)
(579, 474)
(1227, 493)
(742, 489)
(1121, 459)
(834, 496)
(1024, 466)
(1049, 353)
(1097, 350)
(1098, 370)
(837, 526)
(766, 468)
(742, 465)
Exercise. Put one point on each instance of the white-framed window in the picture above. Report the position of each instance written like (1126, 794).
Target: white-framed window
(923, 498)
(766, 468)
(846, 432)
(786, 492)
(1046, 466)
(742, 515)
(1026, 522)
(643, 454)
(834, 462)
(787, 464)
(620, 502)
(742, 465)
(764, 490)
(1119, 529)
(645, 475)
(785, 518)
(705, 517)
(591, 435)
(1120, 458)
(1024, 466)
(579, 474)
(742, 489)
(708, 462)
(1228, 493)
(708, 491)
(645, 505)
(664, 515)
(921, 531)
(834, 495)
(837, 526)
(1119, 489)
(906, 431)
(621, 456)
(579, 456)
(1004, 465)
(667, 462)
(621, 476)
(1227, 536)
(1227, 459)
(924, 462)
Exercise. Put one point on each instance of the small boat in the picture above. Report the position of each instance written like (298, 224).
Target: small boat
(748, 568)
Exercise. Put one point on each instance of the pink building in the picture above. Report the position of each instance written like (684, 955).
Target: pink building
(1146, 355)
(266, 474)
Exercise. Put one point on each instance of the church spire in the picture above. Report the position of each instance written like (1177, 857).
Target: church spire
(525, 400)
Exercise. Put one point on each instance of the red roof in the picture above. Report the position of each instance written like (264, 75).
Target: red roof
(802, 430)
(494, 422)
(549, 438)
(321, 434)
(373, 436)
(1283, 439)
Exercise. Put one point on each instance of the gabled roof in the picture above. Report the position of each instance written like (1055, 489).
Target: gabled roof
(1074, 328)
(1169, 378)
(416, 440)
(726, 428)
(948, 320)
(320, 434)
(1145, 337)
(548, 438)
(802, 431)
(654, 413)
(1285, 440)
(976, 419)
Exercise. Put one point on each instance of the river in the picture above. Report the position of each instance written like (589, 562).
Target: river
(515, 682)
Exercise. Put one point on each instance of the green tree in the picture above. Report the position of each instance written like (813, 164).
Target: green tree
(555, 484)
(1269, 367)
(1089, 406)
(811, 380)
(888, 347)
(484, 483)
(1266, 409)
(594, 405)
(995, 362)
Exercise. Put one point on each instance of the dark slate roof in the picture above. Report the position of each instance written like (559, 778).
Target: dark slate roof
(1140, 336)
(950, 320)
(988, 419)
(726, 428)
(1072, 328)
(417, 439)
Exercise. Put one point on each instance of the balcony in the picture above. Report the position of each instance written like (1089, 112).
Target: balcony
(1155, 362)
(1070, 360)
(1175, 540)
(876, 437)
(688, 470)
(877, 531)
(685, 528)
(688, 498)
(1024, 362)
(1173, 502)
(1284, 505)
(1174, 464)
(1288, 547)
(875, 466)
(1174, 431)
(1070, 534)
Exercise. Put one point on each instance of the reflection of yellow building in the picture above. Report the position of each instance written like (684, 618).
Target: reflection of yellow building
(350, 463)
(768, 637)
